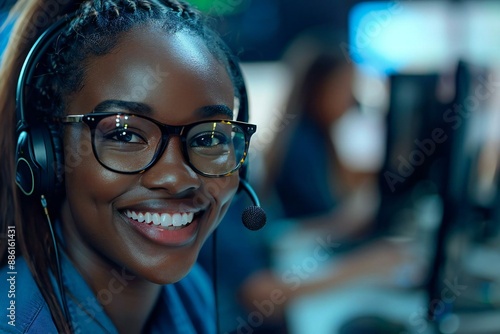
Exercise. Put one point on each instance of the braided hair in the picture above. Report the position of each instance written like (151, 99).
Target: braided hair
(93, 31)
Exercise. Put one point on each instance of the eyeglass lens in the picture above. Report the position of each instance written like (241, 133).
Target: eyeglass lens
(128, 143)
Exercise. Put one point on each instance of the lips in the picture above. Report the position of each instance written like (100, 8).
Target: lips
(163, 219)
(165, 228)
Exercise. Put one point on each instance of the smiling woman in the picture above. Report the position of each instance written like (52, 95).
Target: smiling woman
(126, 138)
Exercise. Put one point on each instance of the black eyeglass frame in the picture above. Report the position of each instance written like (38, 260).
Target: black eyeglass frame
(167, 131)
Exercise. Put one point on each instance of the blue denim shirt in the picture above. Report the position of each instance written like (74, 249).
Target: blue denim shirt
(184, 307)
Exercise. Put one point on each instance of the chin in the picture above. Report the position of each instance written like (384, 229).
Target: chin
(169, 271)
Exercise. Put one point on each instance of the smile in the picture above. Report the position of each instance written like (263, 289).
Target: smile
(163, 219)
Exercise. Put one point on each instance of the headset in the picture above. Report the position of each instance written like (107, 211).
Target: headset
(39, 150)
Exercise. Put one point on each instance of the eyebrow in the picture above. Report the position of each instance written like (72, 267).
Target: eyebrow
(135, 107)
(145, 109)
(215, 110)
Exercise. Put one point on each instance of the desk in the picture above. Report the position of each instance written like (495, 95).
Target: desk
(326, 312)
(302, 258)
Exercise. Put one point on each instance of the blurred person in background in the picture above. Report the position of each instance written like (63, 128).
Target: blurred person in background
(306, 178)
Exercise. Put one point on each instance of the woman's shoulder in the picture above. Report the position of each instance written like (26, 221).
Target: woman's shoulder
(26, 310)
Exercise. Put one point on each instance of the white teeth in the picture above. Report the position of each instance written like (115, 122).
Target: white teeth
(187, 218)
(156, 219)
(164, 219)
(177, 219)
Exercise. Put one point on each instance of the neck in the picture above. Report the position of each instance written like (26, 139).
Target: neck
(130, 309)
(128, 300)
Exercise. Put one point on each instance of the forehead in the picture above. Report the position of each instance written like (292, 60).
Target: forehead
(173, 73)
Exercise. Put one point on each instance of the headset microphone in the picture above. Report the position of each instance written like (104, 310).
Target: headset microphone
(254, 217)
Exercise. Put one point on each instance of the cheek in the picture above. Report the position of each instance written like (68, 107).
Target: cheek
(222, 190)
(85, 178)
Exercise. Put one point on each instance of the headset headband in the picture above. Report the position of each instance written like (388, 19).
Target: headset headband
(27, 70)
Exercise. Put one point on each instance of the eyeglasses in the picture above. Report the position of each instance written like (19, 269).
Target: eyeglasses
(129, 143)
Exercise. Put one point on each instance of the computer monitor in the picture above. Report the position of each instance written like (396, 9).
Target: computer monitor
(463, 276)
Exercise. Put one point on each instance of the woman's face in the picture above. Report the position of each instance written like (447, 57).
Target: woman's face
(176, 78)
(335, 96)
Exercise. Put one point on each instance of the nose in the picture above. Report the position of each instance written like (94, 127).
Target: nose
(171, 171)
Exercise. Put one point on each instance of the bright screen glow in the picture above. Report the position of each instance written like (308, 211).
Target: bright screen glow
(400, 36)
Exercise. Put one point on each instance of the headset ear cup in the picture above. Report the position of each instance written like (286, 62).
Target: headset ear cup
(37, 165)
(25, 174)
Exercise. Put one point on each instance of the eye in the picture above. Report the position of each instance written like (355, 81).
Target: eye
(125, 136)
(209, 139)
